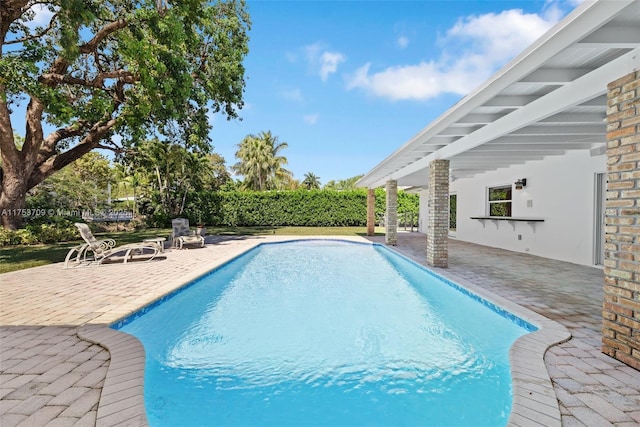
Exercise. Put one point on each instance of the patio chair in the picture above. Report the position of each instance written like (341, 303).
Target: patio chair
(183, 236)
(97, 251)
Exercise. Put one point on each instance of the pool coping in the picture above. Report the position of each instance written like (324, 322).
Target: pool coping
(534, 399)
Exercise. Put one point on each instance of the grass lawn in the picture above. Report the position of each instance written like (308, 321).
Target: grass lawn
(20, 257)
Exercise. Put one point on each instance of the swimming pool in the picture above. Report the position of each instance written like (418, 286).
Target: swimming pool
(325, 333)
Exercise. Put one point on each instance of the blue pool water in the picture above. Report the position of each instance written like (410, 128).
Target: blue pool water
(325, 333)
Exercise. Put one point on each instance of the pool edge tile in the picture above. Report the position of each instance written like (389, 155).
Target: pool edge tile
(122, 398)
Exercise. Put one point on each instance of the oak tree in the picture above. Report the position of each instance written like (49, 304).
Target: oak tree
(106, 74)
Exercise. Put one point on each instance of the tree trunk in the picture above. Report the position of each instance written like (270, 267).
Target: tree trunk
(13, 183)
(12, 199)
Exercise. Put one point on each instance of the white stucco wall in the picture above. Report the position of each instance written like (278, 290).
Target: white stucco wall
(561, 190)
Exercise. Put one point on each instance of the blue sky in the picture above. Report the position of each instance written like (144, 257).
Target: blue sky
(345, 83)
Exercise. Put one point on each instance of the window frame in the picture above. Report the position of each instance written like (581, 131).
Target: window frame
(507, 202)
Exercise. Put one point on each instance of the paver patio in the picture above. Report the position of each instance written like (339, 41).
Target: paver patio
(50, 376)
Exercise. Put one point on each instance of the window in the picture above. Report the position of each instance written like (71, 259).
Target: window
(500, 201)
(453, 208)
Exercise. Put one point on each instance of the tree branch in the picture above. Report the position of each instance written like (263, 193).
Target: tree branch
(33, 137)
(54, 79)
(60, 64)
(48, 147)
(104, 32)
(55, 163)
(34, 36)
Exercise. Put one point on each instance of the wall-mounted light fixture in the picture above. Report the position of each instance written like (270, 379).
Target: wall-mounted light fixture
(522, 182)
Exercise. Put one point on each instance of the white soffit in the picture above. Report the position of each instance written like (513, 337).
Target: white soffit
(547, 101)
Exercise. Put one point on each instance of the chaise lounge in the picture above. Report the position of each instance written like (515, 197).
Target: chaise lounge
(182, 235)
(95, 251)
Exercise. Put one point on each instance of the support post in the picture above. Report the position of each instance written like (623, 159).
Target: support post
(391, 234)
(438, 218)
(621, 306)
(371, 211)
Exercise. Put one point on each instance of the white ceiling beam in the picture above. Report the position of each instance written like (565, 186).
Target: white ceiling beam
(510, 101)
(622, 36)
(555, 75)
(510, 154)
(491, 162)
(575, 118)
(483, 167)
(535, 139)
(534, 147)
(584, 129)
(439, 140)
(478, 119)
(459, 131)
(595, 102)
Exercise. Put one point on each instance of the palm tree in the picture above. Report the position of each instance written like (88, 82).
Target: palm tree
(260, 161)
(311, 181)
(343, 184)
(252, 157)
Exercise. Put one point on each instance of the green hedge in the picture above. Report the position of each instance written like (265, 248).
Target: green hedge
(302, 208)
(42, 230)
(310, 208)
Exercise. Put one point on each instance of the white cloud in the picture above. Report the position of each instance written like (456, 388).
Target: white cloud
(403, 42)
(329, 63)
(473, 49)
(499, 37)
(311, 119)
(421, 81)
(322, 61)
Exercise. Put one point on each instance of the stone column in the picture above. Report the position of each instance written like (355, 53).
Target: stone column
(391, 235)
(371, 211)
(438, 220)
(621, 307)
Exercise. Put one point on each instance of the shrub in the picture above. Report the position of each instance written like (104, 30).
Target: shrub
(41, 230)
(8, 237)
(311, 208)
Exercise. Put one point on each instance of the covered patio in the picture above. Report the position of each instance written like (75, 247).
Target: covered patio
(544, 158)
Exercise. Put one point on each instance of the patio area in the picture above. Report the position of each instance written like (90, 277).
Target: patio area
(50, 376)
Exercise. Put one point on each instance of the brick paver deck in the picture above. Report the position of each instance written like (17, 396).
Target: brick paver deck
(51, 376)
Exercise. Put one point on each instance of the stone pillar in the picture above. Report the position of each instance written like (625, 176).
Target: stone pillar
(391, 224)
(371, 211)
(438, 220)
(621, 307)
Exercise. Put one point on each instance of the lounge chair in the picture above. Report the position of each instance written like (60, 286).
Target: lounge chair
(95, 251)
(183, 236)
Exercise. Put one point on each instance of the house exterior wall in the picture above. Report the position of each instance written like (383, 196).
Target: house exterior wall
(560, 190)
